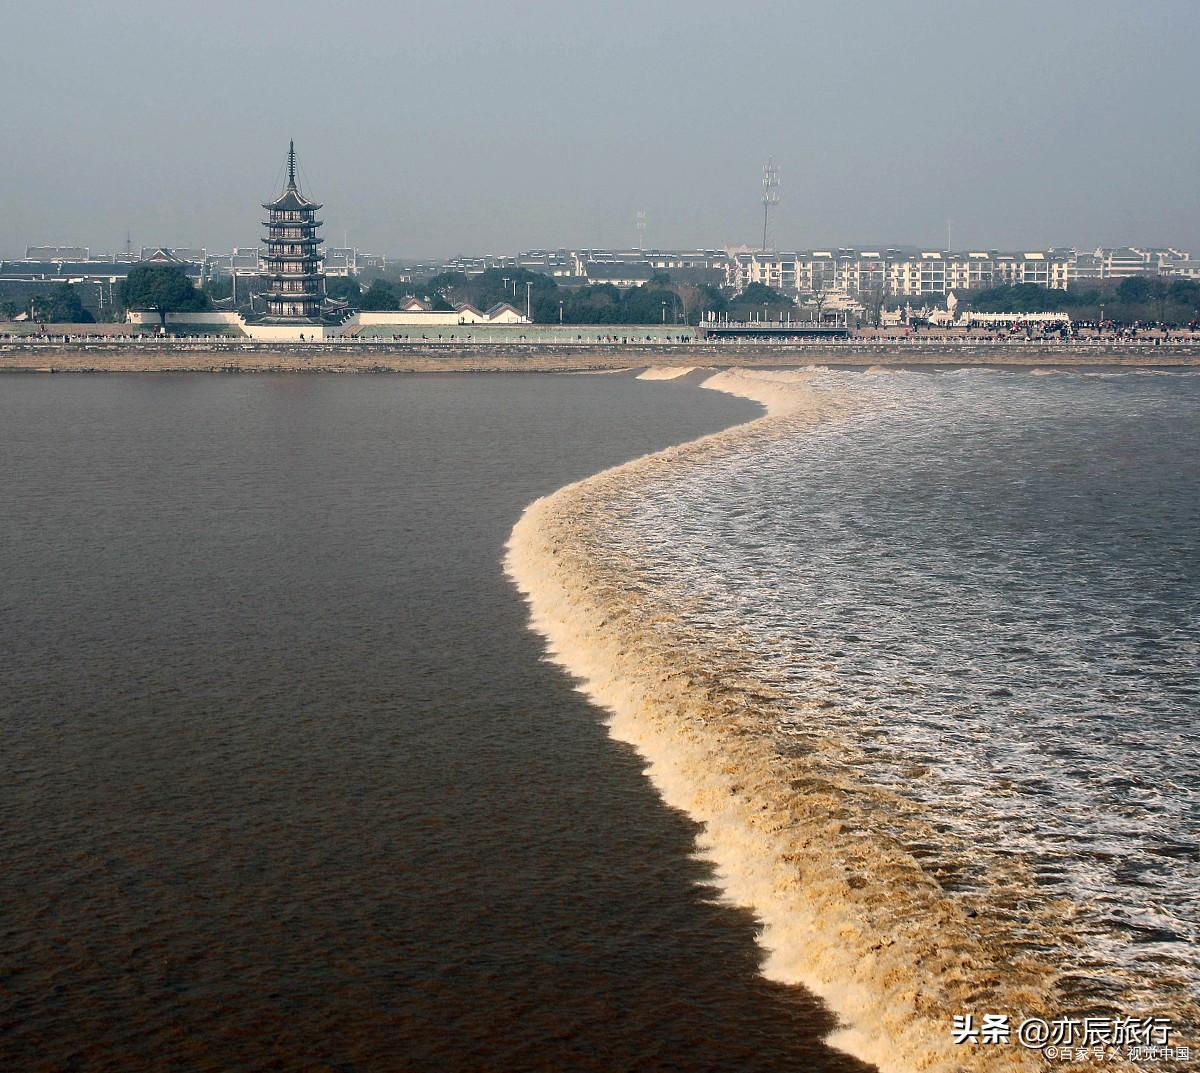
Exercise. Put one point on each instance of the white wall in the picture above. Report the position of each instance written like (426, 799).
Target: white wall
(289, 333)
(150, 317)
(431, 319)
(267, 333)
(507, 316)
(413, 318)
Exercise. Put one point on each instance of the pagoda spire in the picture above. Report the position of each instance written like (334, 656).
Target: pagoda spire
(291, 165)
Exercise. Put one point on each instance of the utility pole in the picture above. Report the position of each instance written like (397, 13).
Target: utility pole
(528, 302)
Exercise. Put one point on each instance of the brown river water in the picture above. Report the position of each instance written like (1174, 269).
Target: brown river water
(286, 781)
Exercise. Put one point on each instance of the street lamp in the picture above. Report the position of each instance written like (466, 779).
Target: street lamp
(528, 305)
(664, 305)
(560, 305)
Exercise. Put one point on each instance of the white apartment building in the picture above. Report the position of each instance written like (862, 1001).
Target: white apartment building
(913, 273)
(1183, 270)
(848, 271)
(1121, 262)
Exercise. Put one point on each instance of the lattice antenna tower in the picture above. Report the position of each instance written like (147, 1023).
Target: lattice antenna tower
(641, 229)
(770, 198)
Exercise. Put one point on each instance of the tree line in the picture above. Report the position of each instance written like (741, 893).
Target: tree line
(167, 289)
(1153, 298)
(658, 300)
(61, 305)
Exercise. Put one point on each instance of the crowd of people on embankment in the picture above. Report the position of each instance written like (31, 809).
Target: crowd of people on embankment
(1078, 333)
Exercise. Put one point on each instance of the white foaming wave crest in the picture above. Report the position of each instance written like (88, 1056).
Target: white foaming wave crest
(888, 370)
(666, 372)
(790, 829)
(781, 392)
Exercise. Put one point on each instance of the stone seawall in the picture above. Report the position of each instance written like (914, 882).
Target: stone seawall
(241, 356)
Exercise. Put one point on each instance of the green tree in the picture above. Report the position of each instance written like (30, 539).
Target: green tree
(64, 307)
(381, 296)
(217, 290)
(698, 299)
(343, 289)
(162, 288)
(505, 285)
(758, 293)
(599, 304)
(1185, 292)
(1160, 295)
(446, 283)
(59, 306)
(1135, 290)
(1019, 298)
(651, 303)
(711, 300)
(760, 300)
(400, 289)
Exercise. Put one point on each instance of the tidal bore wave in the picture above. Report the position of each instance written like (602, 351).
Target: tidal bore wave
(837, 869)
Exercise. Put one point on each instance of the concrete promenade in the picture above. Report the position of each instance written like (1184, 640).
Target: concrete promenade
(69, 354)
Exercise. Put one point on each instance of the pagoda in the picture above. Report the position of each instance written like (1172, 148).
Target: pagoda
(296, 284)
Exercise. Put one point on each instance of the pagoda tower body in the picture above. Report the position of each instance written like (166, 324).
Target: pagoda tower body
(293, 259)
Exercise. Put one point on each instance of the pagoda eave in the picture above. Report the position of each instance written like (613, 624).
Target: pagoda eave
(291, 206)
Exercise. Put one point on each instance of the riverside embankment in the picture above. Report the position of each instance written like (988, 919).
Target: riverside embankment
(234, 356)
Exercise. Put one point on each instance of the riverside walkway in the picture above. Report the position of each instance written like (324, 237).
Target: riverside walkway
(607, 338)
(71, 353)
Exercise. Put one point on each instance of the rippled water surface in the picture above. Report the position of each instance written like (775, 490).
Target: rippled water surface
(285, 780)
(990, 583)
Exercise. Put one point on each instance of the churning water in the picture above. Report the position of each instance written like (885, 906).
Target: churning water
(985, 588)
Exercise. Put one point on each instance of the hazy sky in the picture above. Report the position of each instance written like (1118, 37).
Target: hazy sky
(466, 127)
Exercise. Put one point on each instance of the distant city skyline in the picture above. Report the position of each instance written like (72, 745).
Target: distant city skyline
(70, 252)
(141, 250)
(469, 129)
